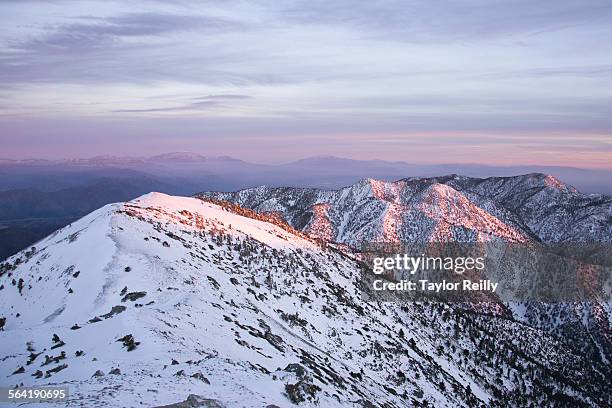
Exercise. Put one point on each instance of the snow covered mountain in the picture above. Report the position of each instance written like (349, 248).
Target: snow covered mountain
(449, 208)
(166, 299)
(532, 209)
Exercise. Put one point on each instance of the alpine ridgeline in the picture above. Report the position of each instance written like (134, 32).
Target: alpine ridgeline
(196, 302)
(450, 208)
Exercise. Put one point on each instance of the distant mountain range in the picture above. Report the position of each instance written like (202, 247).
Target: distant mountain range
(185, 302)
(197, 172)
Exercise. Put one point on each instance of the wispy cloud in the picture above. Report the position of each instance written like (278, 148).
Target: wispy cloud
(593, 71)
(444, 21)
(304, 70)
(223, 97)
(198, 103)
(195, 105)
(129, 47)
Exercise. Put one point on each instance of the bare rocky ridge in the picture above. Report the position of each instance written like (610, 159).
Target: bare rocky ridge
(167, 300)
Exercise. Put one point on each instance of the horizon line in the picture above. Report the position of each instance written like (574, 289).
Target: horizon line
(297, 160)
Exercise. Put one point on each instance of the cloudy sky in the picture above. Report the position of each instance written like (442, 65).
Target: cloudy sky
(482, 81)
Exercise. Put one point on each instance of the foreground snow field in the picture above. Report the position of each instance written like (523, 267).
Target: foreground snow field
(147, 302)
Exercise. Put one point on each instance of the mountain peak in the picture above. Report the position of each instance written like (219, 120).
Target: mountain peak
(178, 156)
(323, 159)
(554, 182)
(184, 295)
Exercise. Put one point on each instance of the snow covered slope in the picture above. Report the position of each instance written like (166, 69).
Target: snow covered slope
(449, 208)
(153, 300)
(533, 208)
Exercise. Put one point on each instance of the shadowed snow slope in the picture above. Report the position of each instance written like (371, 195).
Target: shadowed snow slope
(150, 301)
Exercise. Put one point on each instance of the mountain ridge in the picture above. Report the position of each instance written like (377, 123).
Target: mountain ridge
(185, 296)
(537, 206)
